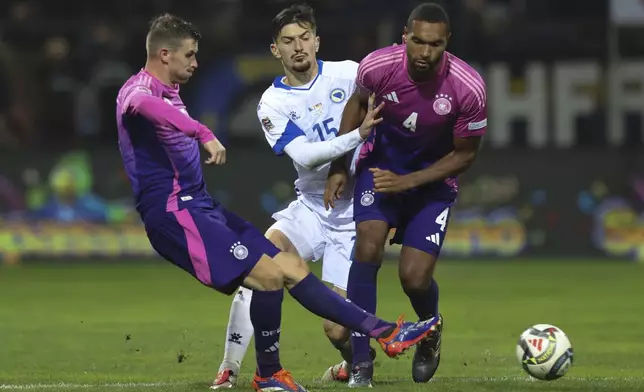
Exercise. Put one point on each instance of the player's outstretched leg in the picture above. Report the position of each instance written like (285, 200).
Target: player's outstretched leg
(310, 292)
(285, 233)
(238, 336)
(416, 269)
(298, 230)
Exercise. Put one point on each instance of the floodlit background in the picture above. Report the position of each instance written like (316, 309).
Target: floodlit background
(549, 226)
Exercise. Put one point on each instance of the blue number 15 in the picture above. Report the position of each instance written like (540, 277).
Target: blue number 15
(327, 130)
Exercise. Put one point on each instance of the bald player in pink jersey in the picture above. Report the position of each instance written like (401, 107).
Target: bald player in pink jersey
(159, 144)
(434, 117)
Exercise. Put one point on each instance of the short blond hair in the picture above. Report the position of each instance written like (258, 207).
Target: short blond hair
(168, 31)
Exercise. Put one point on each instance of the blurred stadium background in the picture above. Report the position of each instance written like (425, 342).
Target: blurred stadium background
(561, 177)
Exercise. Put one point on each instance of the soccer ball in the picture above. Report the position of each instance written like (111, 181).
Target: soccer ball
(545, 352)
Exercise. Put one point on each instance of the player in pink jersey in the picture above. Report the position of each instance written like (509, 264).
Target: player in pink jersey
(159, 144)
(434, 117)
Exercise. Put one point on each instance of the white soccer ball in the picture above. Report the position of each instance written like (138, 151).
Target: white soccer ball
(545, 352)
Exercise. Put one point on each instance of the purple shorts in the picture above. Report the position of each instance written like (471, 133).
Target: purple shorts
(420, 218)
(214, 245)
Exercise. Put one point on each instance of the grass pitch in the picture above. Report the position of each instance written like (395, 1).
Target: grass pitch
(151, 327)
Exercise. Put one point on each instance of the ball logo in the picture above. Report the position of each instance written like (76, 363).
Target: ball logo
(536, 343)
(239, 251)
(544, 352)
(367, 198)
(337, 95)
(443, 104)
(539, 346)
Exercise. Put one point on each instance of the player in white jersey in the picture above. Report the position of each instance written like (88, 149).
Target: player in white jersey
(300, 114)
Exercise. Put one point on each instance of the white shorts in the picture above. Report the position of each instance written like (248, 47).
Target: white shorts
(317, 237)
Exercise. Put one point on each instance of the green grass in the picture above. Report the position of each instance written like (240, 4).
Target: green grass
(68, 324)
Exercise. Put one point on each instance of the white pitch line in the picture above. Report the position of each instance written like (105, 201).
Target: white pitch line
(122, 385)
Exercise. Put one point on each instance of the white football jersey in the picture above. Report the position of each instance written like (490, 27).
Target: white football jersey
(313, 110)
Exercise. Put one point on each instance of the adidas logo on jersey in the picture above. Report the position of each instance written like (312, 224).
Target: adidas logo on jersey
(435, 238)
(391, 97)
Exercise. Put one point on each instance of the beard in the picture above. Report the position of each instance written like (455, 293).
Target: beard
(301, 66)
(428, 66)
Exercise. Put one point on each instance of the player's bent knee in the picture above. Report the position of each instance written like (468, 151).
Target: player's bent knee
(372, 231)
(369, 251)
(370, 241)
(294, 268)
(416, 270)
(266, 276)
(414, 277)
(337, 334)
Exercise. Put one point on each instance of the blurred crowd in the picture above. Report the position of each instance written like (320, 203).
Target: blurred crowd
(62, 61)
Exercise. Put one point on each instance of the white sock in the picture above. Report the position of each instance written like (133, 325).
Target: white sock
(239, 331)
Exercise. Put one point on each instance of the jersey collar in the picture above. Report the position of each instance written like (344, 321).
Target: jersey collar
(169, 91)
(279, 84)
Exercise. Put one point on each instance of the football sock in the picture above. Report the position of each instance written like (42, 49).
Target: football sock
(311, 293)
(239, 331)
(362, 290)
(266, 316)
(345, 350)
(425, 302)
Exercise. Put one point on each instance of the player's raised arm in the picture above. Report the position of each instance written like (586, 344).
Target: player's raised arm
(141, 102)
(285, 136)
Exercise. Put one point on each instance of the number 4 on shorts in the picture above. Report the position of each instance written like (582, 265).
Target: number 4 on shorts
(442, 219)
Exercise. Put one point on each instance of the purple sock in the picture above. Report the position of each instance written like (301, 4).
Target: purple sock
(266, 315)
(425, 302)
(362, 290)
(311, 293)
